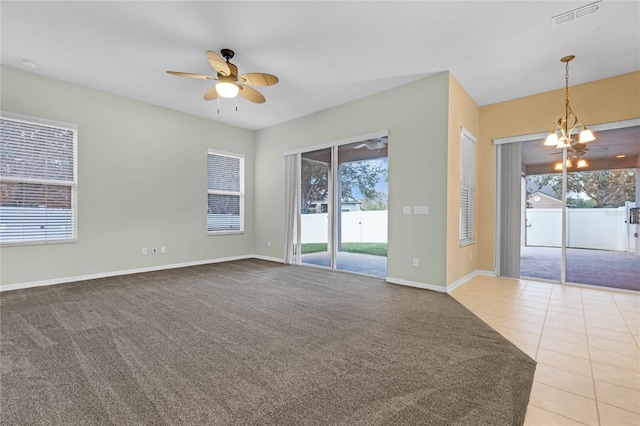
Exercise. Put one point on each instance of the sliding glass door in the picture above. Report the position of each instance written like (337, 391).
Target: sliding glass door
(343, 206)
(578, 224)
(315, 198)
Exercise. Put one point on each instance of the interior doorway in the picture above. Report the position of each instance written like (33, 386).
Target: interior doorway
(344, 214)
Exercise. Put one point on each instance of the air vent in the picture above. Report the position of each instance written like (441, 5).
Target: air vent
(574, 14)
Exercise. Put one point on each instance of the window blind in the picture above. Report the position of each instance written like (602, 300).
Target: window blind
(37, 182)
(225, 192)
(467, 188)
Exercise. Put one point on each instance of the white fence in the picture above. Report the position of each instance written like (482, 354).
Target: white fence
(357, 227)
(600, 229)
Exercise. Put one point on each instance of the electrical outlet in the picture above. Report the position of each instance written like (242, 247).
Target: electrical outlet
(154, 250)
(470, 256)
(268, 243)
(144, 250)
(163, 249)
(416, 261)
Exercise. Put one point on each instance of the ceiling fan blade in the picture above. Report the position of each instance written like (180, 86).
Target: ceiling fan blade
(191, 75)
(251, 94)
(211, 94)
(258, 79)
(218, 64)
(362, 145)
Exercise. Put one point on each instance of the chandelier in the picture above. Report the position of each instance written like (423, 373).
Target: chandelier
(563, 128)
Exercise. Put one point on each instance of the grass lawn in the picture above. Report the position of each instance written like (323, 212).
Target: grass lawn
(376, 249)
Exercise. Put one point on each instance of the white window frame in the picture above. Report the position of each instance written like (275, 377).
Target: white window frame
(9, 116)
(240, 193)
(467, 187)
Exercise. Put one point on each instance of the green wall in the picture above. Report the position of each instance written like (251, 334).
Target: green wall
(142, 178)
(141, 182)
(416, 116)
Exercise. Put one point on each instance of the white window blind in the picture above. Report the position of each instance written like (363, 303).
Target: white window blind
(225, 192)
(467, 187)
(37, 181)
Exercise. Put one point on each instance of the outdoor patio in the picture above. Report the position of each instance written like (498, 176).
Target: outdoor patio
(604, 268)
(353, 262)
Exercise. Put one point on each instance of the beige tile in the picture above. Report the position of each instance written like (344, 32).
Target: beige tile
(566, 310)
(616, 375)
(615, 359)
(540, 417)
(532, 351)
(565, 380)
(520, 336)
(632, 300)
(519, 316)
(567, 336)
(593, 294)
(491, 320)
(529, 311)
(531, 304)
(613, 416)
(533, 297)
(614, 346)
(566, 316)
(521, 325)
(609, 322)
(624, 337)
(619, 326)
(618, 396)
(575, 325)
(564, 403)
(564, 347)
(564, 362)
(609, 309)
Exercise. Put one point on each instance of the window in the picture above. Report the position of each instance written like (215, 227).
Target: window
(467, 187)
(225, 192)
(37, 180)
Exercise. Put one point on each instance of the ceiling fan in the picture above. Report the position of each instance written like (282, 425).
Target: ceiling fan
(372, 144)
(580, 149)
(229, 83)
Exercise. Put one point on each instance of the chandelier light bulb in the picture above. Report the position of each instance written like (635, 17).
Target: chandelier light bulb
(551, 140)
(586, 135)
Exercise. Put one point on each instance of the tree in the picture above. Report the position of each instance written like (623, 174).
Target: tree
(363, 175)
(377, 203)
(606, 188)
(315, 183)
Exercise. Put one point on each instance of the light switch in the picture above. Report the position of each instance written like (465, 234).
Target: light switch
(406, 210)
(420, 209)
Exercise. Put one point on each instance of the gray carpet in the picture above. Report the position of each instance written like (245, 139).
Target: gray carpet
(253, 342)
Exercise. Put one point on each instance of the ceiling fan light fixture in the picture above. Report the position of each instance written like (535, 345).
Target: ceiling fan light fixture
(582, 163)
(227, 90)
(558, 166)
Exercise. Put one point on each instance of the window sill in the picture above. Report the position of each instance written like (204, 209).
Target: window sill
(212, 233)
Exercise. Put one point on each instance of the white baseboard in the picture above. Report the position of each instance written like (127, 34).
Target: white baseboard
(467, 277)
(55, 281)
(270, 259)
(416, 284)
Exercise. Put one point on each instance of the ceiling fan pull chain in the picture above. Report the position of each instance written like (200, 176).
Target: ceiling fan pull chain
(236, 103)
(218, 105)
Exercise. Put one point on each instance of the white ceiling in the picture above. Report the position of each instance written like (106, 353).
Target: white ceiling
(325, 53)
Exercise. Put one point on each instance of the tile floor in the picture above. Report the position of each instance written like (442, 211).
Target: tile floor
(586, 343)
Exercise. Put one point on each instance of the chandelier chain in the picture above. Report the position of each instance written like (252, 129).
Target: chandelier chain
(566, 94)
